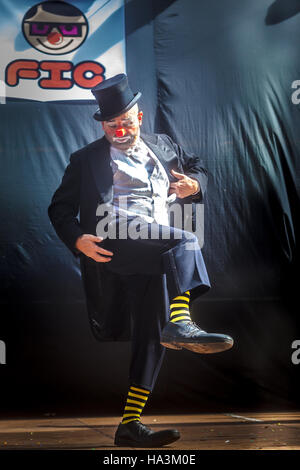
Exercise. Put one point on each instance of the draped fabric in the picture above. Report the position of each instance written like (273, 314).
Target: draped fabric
(220, 78)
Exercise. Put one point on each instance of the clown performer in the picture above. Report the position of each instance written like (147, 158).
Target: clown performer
(137, 264)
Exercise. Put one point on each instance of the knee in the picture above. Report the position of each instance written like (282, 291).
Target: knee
(187, 237)
(183, 237)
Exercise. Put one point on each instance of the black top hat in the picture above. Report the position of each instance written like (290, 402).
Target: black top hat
(114, 97)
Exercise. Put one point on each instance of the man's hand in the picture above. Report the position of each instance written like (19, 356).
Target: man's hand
(185, 187)
(87, 245)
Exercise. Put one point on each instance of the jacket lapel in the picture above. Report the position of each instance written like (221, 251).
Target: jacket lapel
(162, 154)
(100, 165)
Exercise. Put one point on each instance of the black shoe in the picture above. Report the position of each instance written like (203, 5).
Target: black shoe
(189, 336)
(136, 434)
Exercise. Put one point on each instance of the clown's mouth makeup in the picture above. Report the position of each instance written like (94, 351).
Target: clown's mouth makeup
(122, 140)
(55, 48)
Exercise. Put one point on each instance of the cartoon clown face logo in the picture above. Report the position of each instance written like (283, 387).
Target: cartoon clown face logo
(55, 27)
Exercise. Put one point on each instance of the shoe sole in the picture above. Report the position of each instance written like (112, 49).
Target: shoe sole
(171, 346)
(209, 348)
(127, 443)
(201, 348)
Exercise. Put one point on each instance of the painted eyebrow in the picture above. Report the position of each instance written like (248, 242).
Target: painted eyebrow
(123, 120)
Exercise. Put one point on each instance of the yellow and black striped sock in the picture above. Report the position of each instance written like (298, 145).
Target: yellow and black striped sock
(179, 308)
(136, 400)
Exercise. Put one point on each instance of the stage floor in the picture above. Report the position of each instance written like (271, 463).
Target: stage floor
(238, 431)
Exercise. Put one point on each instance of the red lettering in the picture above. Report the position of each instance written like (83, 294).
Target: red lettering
(21, 69)
(79, 74)
(56, 69)
(30, 69)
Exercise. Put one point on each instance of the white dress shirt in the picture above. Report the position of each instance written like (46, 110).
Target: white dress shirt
(140, 184)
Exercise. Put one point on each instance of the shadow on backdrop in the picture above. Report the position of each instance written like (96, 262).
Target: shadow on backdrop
(282, 10)
(134, 6)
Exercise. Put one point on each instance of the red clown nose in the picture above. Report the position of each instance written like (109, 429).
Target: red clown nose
(54, 38)
(120, 132)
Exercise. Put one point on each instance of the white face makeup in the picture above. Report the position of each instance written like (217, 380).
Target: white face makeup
(122, 127)
(123, 131)
(121, 140)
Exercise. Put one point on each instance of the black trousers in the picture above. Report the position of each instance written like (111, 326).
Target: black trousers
(156, 263)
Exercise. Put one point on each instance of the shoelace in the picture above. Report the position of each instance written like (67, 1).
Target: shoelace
(144, 428)
(195, 325)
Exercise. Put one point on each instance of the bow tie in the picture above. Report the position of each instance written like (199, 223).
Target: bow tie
(137, 148)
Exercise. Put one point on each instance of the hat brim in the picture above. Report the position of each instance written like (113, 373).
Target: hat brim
(100, 117)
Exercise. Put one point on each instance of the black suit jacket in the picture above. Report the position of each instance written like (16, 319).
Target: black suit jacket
(88, 182)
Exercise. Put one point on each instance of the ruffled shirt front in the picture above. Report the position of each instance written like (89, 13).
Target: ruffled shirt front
(140, 184)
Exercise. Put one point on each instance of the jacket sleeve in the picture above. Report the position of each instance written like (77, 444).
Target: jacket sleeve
(64, 207)
(192, 167)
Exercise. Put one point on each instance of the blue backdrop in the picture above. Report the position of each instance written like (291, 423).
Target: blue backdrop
(218, 78)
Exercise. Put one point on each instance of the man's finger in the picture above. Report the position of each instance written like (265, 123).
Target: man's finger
(178, 175)
(104, 252)
(92, 238)
(97, 239)
(174, 190)
(101, 259)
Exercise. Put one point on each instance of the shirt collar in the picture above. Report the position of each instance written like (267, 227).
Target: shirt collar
(138, 147)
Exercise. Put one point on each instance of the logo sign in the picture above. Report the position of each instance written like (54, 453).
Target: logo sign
(56, 28)
(56, 50)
